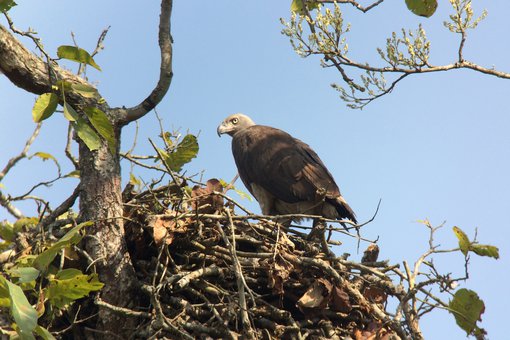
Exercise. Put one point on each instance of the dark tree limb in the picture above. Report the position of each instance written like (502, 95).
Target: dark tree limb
(165, 75)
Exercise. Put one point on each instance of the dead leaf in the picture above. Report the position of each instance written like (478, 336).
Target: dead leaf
(279, 272)
(203, 198)
(340, 301)
(285, 240)
(40, 304)
(164, 227)
(375, 294)
(371, 254)
(317, 296)
(374, 331)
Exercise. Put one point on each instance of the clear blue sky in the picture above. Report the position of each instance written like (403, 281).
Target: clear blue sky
(438, 147)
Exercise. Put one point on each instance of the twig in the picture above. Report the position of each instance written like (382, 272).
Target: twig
(121, 310)
(62, 208)
(68, 151)
(241, 282)
(23, 154)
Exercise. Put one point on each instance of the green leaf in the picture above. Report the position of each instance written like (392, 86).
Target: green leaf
(133, 180)
(464, 243)
(70, 285)
(77, 54)
(25, 223)
(485, 250)
(23, 313)
(24, 274)
(183, 153)
(45, 156)
(69, 113)
(87, 134)
(64, 86)
(423, 8)
(69, 273)
(243, 194)
(44, 106)
(102, 124)
(298, 6)
(86, 91)
(44, 333)
(43, 260)
(7, 231)
(6, 5)
(73, 174)
(467, 308)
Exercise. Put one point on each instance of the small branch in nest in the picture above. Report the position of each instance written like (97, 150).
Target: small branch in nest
(121, 310)
(211, 270)
(241, 282)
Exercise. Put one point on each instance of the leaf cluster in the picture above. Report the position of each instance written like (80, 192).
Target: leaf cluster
(33, 288)
(92, 125)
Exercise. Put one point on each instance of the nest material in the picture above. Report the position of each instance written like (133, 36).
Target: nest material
(212, 274)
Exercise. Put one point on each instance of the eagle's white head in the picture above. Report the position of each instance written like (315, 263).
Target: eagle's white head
(234, 123)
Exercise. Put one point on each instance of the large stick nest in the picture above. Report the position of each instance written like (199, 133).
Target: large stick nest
(210, 273)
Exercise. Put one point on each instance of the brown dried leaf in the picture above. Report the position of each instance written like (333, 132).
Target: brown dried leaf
(165, 226)
(374, 331)
(375, 294)
(203, 199)
(285, 240)
(317, 296)
(40, 304)
(371, 254)
(279, 272)
(340, 301)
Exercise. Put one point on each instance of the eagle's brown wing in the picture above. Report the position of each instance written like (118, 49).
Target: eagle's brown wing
(285, 167)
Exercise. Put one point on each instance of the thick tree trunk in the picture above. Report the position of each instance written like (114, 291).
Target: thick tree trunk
(101, 202)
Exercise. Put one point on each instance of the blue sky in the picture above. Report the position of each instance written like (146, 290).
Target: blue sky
(438, 147)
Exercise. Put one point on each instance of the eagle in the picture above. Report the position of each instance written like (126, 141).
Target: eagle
(283, 173)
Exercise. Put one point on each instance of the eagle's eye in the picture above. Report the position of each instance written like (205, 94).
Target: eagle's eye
(235, 121)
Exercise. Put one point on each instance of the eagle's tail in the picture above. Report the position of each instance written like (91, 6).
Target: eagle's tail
(343, 209)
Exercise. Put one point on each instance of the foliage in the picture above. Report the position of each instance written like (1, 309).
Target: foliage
(424, 8)
(467, 308)
(176, 155)
(77, 54)
(319, 30)
(44, 106)
(6, 5)
(35, 277)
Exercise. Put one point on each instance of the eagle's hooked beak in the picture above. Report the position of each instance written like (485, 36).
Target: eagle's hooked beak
(222, 128)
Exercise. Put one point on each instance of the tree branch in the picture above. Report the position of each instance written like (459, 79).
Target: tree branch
(165, 74)
(356, 4)
(24, 69)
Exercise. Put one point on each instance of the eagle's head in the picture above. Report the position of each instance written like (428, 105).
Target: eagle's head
(234, 123)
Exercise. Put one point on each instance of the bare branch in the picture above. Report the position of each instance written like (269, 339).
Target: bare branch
(165, 75)
(356, 4)
(12, 162)
(7, 204)
(62, 208)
